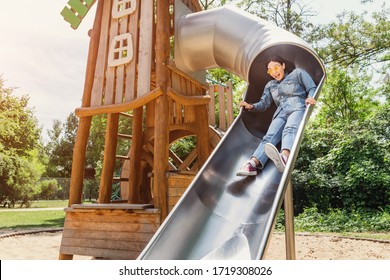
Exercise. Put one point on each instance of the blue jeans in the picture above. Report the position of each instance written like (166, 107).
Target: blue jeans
(283, 127)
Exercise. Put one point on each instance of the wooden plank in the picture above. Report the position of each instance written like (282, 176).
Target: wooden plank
(180, 182)
(203, 133)
(177, 191)
(117, 108)
(110, 206)
(99, 216)
(109, 92)
(229, 103)
(212, 106)
(145, 48)
(172, 200)
(189, 159)
(98, 252)
(110, 235)
(104, 244)
(222, 109)
(178, 113)
(120, 69)
(101, 62)
(92, 54)
(130, 69)
(146, 228)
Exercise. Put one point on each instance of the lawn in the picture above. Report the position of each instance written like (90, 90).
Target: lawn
(31, 219)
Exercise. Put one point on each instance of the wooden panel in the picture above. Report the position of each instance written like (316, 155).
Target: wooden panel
(120, 70)
(97, 89)
(177, 191)
(99, 253)
(178, 183)
(222, 108)
(229, 104)
(110, 235)
(212, 106)
(111, 226)
(101, 216)
(131, 67)
(109, 92)
(104, 244)
(145, 48)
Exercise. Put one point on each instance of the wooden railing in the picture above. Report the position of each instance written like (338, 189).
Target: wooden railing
(221, 97)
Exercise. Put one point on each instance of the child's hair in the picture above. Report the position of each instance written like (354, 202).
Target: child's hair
(275, 58)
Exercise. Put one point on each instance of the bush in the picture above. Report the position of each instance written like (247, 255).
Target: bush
(48, 189)
(337, 220)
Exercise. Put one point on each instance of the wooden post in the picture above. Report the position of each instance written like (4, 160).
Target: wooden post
(161, 141)
(110, 143)
(203, 133)
(135, 156)
(222, 108)
(80, 148)
(289, 222)
(143, 87)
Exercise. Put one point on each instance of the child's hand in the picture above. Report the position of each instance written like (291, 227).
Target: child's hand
(246, 105)
(310, 100)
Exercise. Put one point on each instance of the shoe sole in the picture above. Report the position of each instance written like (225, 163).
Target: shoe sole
(273, 154)
(242, 173)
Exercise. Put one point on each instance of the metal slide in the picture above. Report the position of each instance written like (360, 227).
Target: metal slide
(221, 215)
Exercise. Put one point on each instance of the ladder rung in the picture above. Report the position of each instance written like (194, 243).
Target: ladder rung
(122, 157)
(121, 179)
(126, 136)
(126, 115)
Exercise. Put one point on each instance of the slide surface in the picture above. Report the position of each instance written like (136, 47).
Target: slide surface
(221, 215)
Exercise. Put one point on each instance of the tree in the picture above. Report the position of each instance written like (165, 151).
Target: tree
(354, 40)
(20, 165)
(60, 147)
(291, 15)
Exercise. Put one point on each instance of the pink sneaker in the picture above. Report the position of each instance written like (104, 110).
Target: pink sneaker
(247, 170)
(273, 154)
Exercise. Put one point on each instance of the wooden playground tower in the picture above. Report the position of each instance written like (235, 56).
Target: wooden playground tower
(131, 74)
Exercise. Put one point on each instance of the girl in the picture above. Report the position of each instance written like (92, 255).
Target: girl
(291, 92)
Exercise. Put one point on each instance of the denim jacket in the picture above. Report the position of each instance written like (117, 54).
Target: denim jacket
(288, 94)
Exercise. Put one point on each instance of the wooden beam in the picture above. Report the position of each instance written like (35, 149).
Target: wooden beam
(80, 148)
(117, 108)
(161, 143)
(109, 158)
(188, 100)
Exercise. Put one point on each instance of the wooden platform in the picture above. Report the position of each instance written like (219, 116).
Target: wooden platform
(108, 231)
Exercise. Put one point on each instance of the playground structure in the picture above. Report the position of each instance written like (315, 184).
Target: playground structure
(132, 73)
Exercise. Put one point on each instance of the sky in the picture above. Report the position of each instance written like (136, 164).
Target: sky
(43, 57)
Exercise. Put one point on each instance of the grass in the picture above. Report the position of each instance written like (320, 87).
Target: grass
(49, 204)
(31, 219)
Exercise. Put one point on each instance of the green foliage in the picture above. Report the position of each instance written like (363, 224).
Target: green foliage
(292, 15)
(183, 147)
(60, 147)
(20, 159)
(48, 189)
(19, 132)
(338, 220)
(345, 166)
(354, 40)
